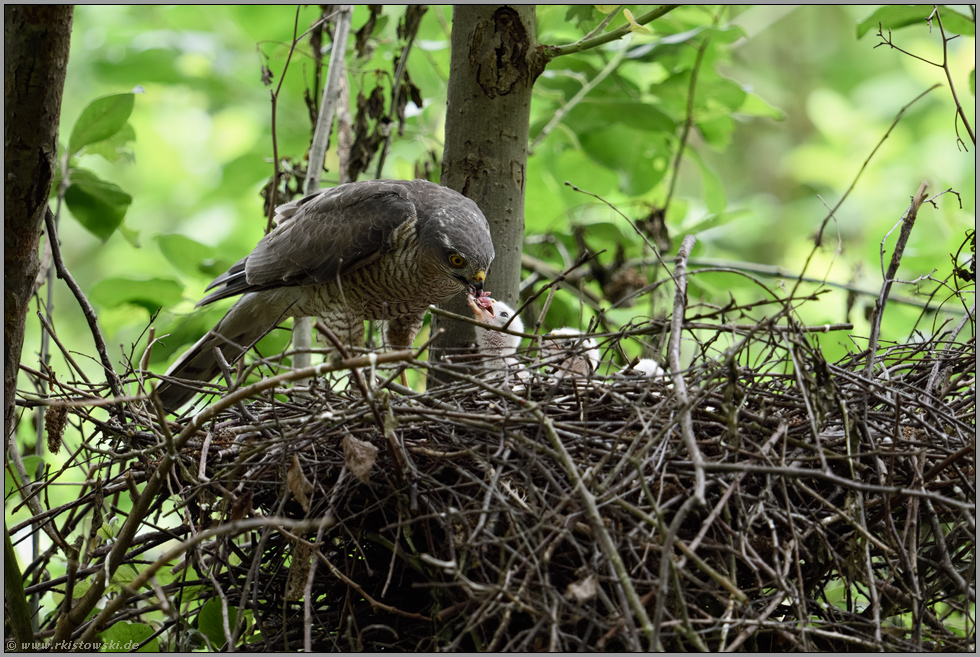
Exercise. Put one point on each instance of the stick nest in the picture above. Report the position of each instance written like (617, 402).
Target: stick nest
(542, 512)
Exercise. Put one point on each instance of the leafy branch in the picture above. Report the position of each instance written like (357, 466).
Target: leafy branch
(590, 41)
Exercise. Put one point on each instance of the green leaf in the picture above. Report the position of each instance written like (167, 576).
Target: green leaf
(635, 27)
(728, 93)
(671, 94)
(717, 132)
(98, 205)
(191, 257)
(103, 118)
(757, 106)
(125, 636)
(107, 531)
(606, 235)
(210, 624)
(131, 235)
(588, 116)
(580, 14)
(712, 189)
(116, 147)
(640, 160)
(894, 17)
(81, 588)
(151, 294)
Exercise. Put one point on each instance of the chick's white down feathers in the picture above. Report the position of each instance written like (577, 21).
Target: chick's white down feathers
(569, 351)
(498, 314)
(565, 351)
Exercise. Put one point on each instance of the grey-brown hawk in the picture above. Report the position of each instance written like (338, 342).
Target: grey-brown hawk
(379, 250)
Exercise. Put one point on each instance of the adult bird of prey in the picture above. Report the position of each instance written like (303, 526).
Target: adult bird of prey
(379, 250)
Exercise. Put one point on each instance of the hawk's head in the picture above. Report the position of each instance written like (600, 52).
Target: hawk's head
(454, 233)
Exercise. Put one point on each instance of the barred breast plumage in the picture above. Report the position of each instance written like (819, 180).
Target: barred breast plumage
(374, 250)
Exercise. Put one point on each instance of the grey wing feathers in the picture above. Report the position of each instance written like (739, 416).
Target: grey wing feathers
(319, 237)
(229, 284)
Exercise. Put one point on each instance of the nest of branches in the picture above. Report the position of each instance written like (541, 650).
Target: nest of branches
(761, 499)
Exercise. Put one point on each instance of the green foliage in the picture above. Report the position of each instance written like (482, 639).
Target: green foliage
(899, 16)
(125, 636)
(151, 294)
(101, 129)
(98, 205)
(190, 256)
(210, 622)
(102, 119)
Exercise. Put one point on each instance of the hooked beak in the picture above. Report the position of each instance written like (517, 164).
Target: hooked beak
(476, 285)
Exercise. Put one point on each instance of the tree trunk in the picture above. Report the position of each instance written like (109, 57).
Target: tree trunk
(36, 41)
(494, 63)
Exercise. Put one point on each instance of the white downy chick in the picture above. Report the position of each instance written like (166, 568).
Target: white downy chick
(496, 343)
(646, 367)
(569, 351)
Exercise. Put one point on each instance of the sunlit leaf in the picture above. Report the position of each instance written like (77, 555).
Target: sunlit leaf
(116, 148)
(101, 119)
(152, 293)
(131, 235)
(98, 205)
(125, 636)
(754, 105)
(107, 531)
(717, 132)
(635, 27)
(81, 588)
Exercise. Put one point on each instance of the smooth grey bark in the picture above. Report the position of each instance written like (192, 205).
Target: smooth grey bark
(494, 62)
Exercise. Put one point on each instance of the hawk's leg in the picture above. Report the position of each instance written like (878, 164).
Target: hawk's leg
(399, 333)
(345, 328)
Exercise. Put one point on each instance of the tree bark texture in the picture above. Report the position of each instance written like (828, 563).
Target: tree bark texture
(36, 40)
(494, 62)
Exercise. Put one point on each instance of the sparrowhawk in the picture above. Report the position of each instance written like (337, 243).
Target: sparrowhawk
(379, 250)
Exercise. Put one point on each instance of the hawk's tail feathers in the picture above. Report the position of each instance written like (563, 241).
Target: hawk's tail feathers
(246, 322)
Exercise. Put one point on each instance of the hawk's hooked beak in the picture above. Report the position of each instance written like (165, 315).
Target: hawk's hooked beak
(476, 285)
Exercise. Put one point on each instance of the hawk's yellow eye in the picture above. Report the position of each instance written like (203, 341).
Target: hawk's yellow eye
(456, 260)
